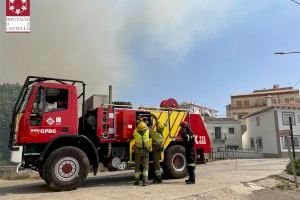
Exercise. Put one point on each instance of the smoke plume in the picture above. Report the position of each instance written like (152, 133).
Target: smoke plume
(92, 40)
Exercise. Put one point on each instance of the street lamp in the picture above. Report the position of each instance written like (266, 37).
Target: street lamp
(282, 53)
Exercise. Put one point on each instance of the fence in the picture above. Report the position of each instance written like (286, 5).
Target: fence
(224, 153)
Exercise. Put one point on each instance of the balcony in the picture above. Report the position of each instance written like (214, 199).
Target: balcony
(250, 106)
(222, 140)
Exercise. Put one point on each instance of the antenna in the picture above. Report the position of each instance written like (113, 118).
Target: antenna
(297, 83)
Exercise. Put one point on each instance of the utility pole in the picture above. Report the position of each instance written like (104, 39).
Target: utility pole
(292, 137)
(292, 161)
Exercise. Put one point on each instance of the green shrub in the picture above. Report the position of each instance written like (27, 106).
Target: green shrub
(297, 166)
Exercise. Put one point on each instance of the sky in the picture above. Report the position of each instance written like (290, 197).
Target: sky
(197, 50)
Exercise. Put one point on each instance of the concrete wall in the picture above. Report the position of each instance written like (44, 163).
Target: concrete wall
(266, 130)
(246, 139)
(226, 138)
(296, 127)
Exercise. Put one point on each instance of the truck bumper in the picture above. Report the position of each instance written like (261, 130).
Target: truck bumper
(16, 155)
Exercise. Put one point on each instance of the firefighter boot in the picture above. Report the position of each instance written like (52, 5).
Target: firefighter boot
(144, 182)
(191, 171)
(157, 179)
(145, 178)
(136, 181)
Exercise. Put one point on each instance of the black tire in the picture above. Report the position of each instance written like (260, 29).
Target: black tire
(41, 174)
(66, 168)
(172, 169)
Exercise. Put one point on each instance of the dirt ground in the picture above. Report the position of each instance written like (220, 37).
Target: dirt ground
(228, 179)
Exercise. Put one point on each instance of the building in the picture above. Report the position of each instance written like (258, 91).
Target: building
(204, 111)
(244, 104)
(224, 132)
(264, 128)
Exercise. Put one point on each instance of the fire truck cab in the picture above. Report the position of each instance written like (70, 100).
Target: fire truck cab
(47, 134)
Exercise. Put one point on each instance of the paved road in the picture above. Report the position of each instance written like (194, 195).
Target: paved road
(224, 178)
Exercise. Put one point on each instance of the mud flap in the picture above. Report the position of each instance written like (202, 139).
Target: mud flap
(16, 156)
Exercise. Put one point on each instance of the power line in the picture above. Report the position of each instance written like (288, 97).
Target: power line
(297, 2)
(282, 53)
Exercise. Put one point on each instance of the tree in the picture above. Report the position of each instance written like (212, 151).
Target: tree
(8, 96)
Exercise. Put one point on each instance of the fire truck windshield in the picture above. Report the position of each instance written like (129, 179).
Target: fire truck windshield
(24, 100)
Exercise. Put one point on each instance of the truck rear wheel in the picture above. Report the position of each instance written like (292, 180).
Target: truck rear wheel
(41, 174)
(175, 162)
(66, 168)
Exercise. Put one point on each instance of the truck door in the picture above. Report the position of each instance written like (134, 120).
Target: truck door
(49, 116)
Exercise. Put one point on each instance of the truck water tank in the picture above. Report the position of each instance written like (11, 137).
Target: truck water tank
(95, 101)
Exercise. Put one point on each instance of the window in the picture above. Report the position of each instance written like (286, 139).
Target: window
(231, 130)
(288, 139)
(264, 102)
(239, 104)
(257, 121)
(258, 102)
(287, 100)
(286, 116)
(292, 99)
(56, 99)
(242, 115)
(37, 108)
(298, 116)
(246, 103)
(259, 142)
(252, 145)
(217, 133)
(26, 94)
(274, 101)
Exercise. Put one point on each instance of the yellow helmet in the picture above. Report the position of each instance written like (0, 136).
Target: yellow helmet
(159, 126)
(142, 126)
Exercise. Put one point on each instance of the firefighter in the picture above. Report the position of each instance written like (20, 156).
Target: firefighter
(142, 147)
(157, 148)
(189, 140)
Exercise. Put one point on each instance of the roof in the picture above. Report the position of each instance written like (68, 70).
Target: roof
(193, 104)
(267, 92)
(272, 89)
(221, 119)
(281, 105)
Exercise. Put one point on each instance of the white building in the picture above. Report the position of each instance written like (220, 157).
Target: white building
(224, 132)
(195, 108)
(265, 126)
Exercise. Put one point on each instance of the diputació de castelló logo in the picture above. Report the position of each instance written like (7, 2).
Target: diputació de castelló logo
(17, 16)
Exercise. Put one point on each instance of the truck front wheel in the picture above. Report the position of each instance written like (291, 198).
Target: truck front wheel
(175, 162)
(66, 168)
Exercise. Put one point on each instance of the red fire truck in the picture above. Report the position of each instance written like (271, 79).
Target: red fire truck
(47, 134)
